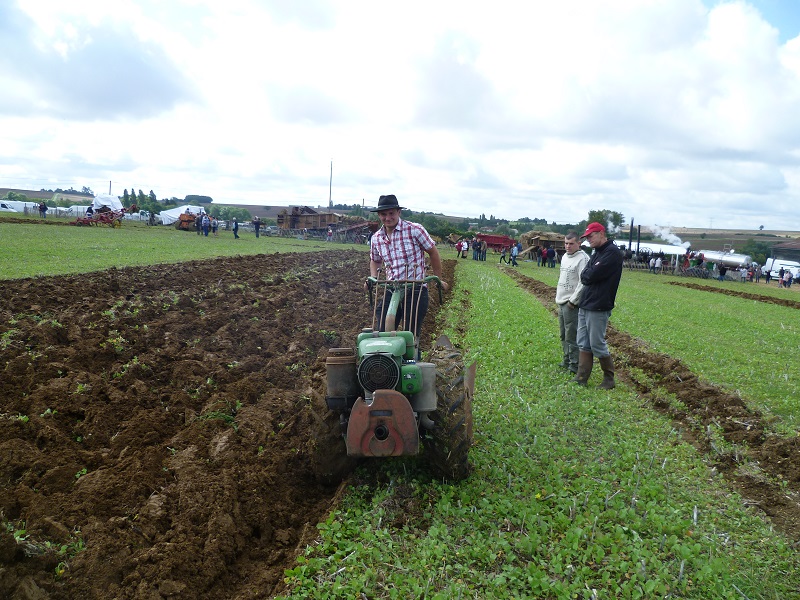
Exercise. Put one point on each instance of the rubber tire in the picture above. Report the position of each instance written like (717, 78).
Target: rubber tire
(447, 445)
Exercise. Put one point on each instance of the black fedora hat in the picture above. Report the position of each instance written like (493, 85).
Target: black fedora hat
(387, 203)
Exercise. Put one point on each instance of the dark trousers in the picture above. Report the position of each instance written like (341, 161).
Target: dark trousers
(417, 304)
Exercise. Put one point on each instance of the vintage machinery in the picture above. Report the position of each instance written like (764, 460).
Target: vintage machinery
(391, 404)
(106, 216)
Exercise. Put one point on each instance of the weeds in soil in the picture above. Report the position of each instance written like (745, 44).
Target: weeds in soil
(329, 336)
(227, 415)
(32, 547)
(115, 340)
(7, 338)
(18, 417)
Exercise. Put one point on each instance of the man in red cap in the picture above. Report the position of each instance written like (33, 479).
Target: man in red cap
(600, 278)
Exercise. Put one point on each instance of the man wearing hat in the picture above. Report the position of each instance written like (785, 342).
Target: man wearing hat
(399, 248)
(600, 278)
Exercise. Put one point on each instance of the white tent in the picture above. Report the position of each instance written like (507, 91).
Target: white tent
(168, 217)
(111, 202)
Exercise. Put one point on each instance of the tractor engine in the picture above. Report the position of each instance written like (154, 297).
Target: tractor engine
(381, 393)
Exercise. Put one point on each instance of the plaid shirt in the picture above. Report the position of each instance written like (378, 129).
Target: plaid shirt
(403, 256)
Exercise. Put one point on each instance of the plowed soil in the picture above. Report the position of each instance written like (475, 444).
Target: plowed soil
(757, 461)
(158, 420)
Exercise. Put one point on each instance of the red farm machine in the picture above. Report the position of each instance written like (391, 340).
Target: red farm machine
(105, 215)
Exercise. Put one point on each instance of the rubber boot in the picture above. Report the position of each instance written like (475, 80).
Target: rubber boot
(585, 363)
(607, 364)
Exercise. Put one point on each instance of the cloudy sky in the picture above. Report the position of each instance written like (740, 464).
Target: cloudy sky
(678, 113)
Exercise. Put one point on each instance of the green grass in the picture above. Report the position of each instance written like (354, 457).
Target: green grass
(575, 493)
(35, 250)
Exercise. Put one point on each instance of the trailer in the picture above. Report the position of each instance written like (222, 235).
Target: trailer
(495, 242)
(356, 233)
(306, 220)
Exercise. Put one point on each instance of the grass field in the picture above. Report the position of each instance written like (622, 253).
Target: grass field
(32, 250)
(576, 493)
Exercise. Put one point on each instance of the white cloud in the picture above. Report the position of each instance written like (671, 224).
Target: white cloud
(664, 111)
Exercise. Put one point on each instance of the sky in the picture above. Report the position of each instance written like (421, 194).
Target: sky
(675, 113)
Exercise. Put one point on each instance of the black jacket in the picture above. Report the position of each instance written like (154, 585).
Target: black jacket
(601, 277)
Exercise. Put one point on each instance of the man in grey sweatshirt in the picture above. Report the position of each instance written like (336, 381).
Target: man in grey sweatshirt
(568, 295)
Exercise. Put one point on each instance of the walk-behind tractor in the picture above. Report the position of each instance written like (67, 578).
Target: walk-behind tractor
(389, 403)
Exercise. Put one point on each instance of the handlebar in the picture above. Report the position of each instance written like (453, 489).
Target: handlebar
(400, 284)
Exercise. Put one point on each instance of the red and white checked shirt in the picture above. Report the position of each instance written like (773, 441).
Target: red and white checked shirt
(403, 256)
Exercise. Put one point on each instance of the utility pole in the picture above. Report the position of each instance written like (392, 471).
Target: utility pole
(330, 188)
(109, 188)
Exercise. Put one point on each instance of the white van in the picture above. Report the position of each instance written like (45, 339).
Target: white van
(774, 266)
(7, 208)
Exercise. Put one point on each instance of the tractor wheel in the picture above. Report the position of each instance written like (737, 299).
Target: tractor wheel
(447, 445)
(328, 450)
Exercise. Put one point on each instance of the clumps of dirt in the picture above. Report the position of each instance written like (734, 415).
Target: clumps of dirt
(737, 294)
(703, 412)
(155, 423)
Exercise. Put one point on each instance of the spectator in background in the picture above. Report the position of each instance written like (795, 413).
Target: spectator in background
(42, 210)
(659, 265)
(503, 253)
(214, 226)
(514, 254)
(235, 229)
(205, 224)
(257, 225)
(722, 270)
(551, 257)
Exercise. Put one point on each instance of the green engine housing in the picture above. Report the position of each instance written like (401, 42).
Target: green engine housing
(386, 362)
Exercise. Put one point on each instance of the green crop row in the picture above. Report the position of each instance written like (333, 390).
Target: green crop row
(576, 493)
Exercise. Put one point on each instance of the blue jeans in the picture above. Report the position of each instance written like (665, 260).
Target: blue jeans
(592, 331)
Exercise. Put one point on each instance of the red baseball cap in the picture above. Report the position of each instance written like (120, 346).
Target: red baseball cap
(592, 228)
